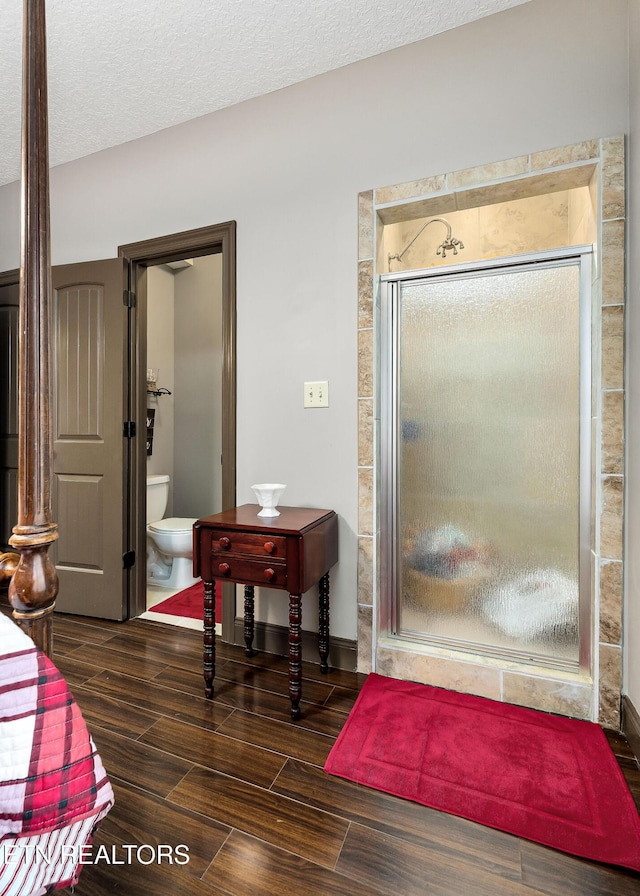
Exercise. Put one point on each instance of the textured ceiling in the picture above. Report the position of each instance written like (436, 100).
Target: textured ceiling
(120, 70)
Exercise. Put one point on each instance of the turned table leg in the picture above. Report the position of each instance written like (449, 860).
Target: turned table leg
(323, 622)
(209, 655)
(295, 653)
(248, 619)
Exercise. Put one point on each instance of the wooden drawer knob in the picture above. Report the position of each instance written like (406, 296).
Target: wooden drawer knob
(223, 569)
(269, 574)
(224, 543)
(269, 547)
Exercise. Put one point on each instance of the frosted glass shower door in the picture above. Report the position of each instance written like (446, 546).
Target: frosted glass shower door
(486, 456)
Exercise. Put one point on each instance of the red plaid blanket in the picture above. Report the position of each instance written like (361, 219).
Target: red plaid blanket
(53, 787)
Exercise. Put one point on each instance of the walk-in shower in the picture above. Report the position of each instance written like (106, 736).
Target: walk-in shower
(485, 457)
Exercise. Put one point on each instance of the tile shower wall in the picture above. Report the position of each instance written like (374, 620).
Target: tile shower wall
(595, 695)
(530, 224)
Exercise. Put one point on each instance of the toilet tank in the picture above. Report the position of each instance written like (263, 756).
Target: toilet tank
(157, 495)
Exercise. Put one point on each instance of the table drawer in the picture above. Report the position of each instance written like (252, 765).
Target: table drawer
(260, 545)
(251, 572)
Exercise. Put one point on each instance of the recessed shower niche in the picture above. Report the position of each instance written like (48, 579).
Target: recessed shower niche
(453, 395)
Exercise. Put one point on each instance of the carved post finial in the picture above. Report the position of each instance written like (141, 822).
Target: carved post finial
(34, 585)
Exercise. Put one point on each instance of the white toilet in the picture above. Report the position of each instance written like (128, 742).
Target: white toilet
(169, 541)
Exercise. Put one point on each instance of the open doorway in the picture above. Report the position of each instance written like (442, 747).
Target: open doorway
(99, 481)
(184, 444)
(206, 485)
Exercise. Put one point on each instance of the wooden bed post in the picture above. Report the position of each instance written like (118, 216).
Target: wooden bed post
(34, 585)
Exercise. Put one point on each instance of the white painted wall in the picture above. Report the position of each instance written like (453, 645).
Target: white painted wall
(288, 168)
(161, 356)
(631, 648)
(198, 388)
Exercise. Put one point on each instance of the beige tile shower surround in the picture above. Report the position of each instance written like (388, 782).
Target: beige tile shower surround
(598, 164)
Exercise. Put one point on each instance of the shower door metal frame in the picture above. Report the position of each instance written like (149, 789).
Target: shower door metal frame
(388, 445)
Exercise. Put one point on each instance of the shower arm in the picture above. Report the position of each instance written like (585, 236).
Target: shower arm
(449, 242)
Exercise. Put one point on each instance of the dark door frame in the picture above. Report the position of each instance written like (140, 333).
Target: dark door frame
(219, 238)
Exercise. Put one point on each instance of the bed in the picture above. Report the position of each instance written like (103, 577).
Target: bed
(53, 788)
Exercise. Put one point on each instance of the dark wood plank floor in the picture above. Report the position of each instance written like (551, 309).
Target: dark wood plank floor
(242, 786)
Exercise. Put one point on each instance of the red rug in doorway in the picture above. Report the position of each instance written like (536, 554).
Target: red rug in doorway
(190, 603)
(541, 777)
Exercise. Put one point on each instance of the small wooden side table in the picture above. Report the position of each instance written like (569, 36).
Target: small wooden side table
(290, 552)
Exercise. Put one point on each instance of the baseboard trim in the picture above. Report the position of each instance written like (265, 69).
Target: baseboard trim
(631, 725)
(271, 638)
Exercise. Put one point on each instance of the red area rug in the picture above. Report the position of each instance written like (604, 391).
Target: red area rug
(541, 777)
(190, 603)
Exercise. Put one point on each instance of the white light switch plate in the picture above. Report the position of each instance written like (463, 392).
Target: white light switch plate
(316, 395)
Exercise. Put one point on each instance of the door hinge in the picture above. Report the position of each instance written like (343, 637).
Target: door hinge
(129, 298)
(128, 559)
(129, 429)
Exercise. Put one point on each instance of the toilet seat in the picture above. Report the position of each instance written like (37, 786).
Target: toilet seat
(178, 524)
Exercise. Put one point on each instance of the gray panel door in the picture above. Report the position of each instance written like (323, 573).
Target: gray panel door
(9, 325)
(89, 488)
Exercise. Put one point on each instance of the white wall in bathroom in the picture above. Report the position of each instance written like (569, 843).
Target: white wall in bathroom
(288, 168)
(197, 437)
(160, 355)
